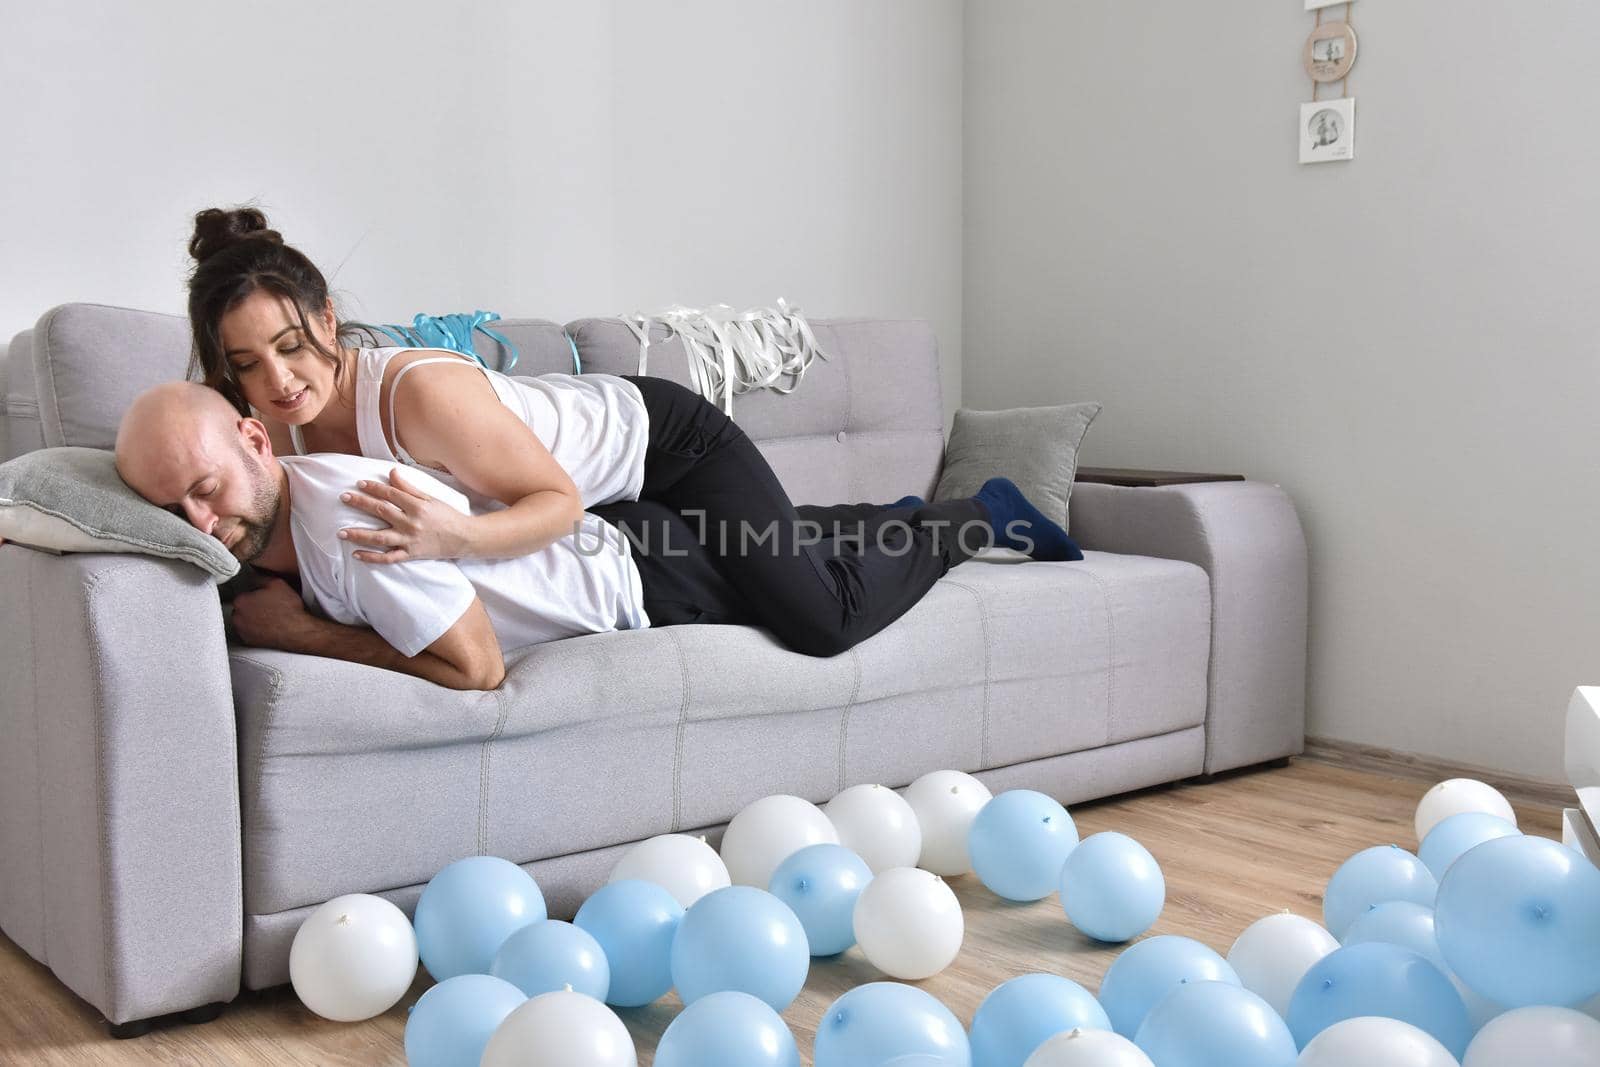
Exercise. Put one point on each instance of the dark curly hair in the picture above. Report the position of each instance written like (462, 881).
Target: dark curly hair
(235, 254)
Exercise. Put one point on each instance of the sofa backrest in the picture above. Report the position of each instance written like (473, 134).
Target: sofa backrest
(865, 424)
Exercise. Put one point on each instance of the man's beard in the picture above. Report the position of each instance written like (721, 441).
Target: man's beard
(264, 504)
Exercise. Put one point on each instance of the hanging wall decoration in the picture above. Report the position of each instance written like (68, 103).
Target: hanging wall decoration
(1328, 127)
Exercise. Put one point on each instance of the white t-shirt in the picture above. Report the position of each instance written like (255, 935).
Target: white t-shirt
(582, 584)
(594, 425)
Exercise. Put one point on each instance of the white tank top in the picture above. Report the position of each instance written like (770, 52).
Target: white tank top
(595, 425)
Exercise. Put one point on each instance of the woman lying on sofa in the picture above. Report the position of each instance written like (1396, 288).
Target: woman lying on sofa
(536, 453)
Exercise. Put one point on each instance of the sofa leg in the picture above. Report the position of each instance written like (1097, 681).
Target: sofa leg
(205, 1013)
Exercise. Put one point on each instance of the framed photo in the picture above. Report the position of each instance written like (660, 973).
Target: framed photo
(1329, 52)
(1328, 130)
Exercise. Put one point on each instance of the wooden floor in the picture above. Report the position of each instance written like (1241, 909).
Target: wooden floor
(1232, 851)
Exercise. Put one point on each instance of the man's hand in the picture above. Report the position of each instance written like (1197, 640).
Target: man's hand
(273, 616)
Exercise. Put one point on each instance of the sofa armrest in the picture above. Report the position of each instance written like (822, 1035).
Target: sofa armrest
(119, 799)
(1247, 538)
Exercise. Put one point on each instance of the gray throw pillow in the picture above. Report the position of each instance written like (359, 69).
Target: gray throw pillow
(72, 500)
(1037, 448)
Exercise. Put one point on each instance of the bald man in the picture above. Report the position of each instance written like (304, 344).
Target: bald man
(183, 447)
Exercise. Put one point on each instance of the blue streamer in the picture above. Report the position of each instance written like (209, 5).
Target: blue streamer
(454, 332)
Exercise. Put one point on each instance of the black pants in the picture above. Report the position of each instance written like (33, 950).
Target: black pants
(763, 561)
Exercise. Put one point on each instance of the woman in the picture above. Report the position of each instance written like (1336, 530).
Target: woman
(548, 448)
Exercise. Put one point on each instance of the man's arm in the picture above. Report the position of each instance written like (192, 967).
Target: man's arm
(466, 656)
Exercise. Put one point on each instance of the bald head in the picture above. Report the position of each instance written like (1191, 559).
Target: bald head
(183, 447)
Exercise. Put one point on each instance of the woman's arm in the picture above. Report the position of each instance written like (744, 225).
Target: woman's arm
(450, 417)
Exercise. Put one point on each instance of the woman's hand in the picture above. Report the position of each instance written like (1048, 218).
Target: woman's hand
(420, 527)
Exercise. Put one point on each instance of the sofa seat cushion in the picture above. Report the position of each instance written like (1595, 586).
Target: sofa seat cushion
(356, 780)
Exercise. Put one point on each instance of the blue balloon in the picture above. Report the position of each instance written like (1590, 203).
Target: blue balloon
(1398, 922)
(634, 923)
(730, 1029)
(820, 883)
(1214, 1024)
(469, 909)
(1518, 919)
(1373, 876)
(740, 938)
(886, 1022)
(1020, 1015)
(450, 1025)
(1451, 838)
(1375, 978)
(1018, 842)
(1138, 979)
(546, 956)
(1112, 888)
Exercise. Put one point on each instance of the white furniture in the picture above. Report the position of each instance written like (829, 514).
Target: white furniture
(1579, 825)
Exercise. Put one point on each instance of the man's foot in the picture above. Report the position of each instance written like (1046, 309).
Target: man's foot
(908, 502)
(1018, 525)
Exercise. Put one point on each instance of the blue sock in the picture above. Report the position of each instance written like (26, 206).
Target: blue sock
(1007, 506)
(908, 502)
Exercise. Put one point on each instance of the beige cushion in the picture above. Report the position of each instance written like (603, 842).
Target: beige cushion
(1037, 448)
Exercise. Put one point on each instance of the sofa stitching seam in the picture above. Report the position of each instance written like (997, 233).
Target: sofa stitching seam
(1214, 659)
(680, 731)
(275, 683)
(91, 583)
(844, 719)
(38, 785)
(503, 713)
(42, 334)
(983, 624)
(1111, 652)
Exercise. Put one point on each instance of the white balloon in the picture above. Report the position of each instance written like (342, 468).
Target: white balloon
(561, 1029)
(1549, 1037)
(908, 923)
(1371, 1041)
(878, 825)
(945, 803)
(1274, 953)
(353, 958)
(1458, 795)
(1088, 1048)
(684, 866)
(769, 831)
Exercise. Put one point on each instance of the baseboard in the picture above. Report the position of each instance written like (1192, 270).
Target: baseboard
(1428, 769)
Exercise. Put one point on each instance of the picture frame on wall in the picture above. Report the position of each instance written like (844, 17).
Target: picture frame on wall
(1328, 130)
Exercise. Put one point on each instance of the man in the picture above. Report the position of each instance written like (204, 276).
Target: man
(182, 446)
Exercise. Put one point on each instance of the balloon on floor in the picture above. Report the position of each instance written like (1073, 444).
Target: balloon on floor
(878, 825)
(687, 867)
(1019, 842)
(353, 958)
(744, 939)
(634, 923)
(908, 923)
(1274, 953)
(945, 803)
(769, 831)
(469, 909)
(877, 1023)
(1112, 889)
(450, 1025)
(821, 884)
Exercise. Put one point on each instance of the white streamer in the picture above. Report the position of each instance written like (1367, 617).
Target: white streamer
(734, 352)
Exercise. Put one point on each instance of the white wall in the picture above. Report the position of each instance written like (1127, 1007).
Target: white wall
(550, 159)
(1406, 342)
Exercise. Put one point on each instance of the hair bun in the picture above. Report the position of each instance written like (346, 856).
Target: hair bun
(216, 229)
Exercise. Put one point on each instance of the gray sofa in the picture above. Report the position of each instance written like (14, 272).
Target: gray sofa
(171, 807)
